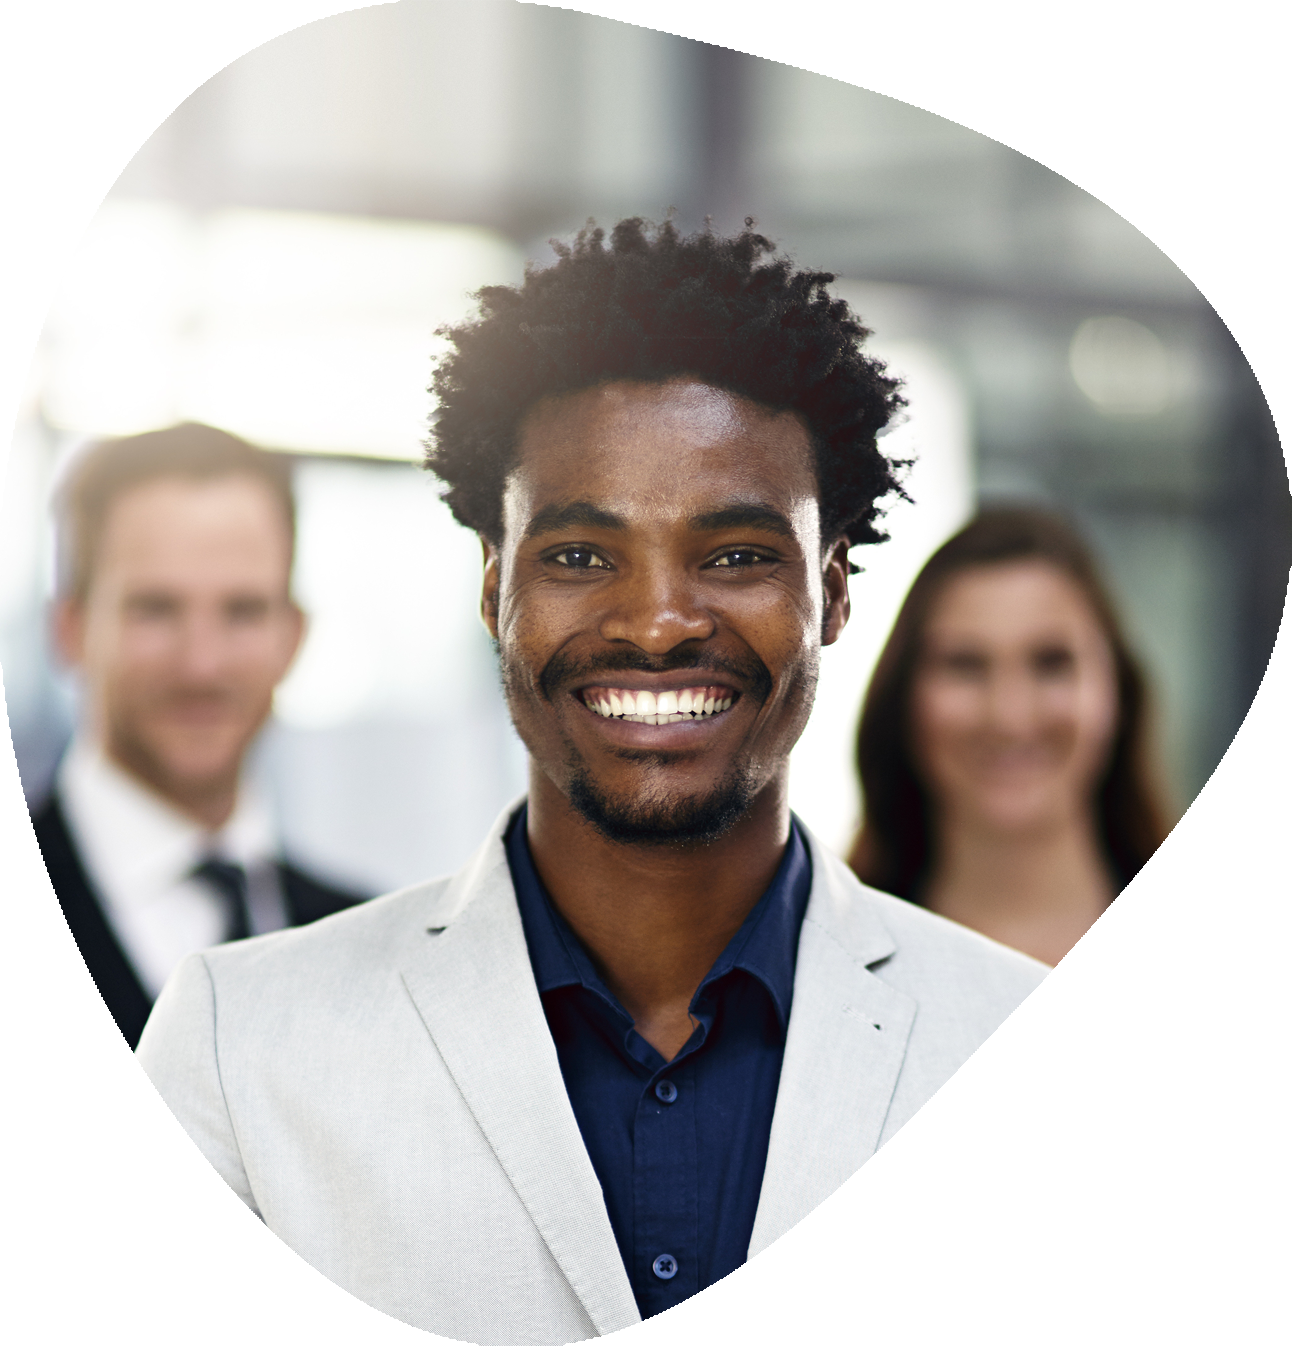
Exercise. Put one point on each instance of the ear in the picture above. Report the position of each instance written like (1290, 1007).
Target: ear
(489, 587)
(67, 629)
(838, 607)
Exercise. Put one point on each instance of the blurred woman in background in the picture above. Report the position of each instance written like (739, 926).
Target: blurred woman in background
(1002, 750)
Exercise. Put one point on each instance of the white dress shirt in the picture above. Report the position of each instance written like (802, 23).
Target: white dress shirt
(139, 852)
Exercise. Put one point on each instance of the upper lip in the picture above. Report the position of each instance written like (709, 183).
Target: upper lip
(658, 682)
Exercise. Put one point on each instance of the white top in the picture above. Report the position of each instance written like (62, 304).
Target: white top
(138, 851)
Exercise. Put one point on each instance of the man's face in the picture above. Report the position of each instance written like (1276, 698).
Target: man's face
(660, 600)
(186, 629)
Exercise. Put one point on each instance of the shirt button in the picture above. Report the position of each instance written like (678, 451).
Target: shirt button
(666, 1091)
(665, 1265)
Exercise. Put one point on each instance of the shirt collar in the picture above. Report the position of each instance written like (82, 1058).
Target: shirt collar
(766, 945)
(135, 843)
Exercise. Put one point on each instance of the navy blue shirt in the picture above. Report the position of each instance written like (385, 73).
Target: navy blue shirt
(678, 1146)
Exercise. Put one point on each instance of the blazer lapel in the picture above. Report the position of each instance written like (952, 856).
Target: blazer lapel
(471, 981)
(843, 1052)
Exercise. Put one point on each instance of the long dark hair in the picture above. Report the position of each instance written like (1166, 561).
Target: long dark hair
(894, 849)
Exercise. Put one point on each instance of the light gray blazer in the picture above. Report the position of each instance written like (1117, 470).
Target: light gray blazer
(382, 1089)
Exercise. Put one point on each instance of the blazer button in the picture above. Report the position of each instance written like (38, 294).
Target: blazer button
(665, 1266)
(666, 1091)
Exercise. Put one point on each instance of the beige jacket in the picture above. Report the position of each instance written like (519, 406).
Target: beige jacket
(382, 1089)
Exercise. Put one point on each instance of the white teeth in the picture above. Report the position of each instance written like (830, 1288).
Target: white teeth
(651, 708)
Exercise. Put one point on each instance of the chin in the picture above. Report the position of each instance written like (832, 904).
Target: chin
(655, 820)
(193, 765)
(1021, 816)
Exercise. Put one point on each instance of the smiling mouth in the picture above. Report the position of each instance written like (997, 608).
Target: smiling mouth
(643, 707)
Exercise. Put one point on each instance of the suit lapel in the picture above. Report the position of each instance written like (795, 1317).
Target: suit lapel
(844, 1050)
(114, 974)
(471, 981)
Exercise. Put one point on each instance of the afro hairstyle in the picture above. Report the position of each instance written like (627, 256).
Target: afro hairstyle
(651, 306)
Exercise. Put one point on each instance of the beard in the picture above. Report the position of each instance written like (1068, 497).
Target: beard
(692, 821)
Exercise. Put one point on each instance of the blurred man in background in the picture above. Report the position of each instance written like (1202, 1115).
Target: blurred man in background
(174, 604)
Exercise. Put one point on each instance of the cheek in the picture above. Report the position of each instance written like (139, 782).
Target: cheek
(1094, 716)
(131, 649)
(263, 653)
(525, 632)
(782, 628)
(943, 713)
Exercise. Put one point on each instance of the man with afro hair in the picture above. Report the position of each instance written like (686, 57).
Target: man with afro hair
(653, 1022)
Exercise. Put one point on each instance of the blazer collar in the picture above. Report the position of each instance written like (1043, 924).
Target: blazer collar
(469, 975)
(471, 981)
(844, 1050)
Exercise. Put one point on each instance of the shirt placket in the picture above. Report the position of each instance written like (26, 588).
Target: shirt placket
(666, 1191)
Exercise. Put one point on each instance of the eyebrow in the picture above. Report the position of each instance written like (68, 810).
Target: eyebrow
(558, 518)
(573, 514)
(759, 516)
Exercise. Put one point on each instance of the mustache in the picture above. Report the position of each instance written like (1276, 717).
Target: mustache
(750, 674)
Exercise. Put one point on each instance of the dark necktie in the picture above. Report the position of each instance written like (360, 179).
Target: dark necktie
(230, 882)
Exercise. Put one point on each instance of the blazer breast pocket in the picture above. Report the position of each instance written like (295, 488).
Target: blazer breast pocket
(985, 1313)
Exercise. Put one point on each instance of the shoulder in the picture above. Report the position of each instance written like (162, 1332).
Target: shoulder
(360, 937)
(934, 954)
(946, 968)
(1237, 976)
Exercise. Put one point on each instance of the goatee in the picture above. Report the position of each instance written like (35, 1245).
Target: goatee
(662, 822)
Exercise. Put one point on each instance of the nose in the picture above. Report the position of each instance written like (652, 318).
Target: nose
(656, 608)
(202, 651)
(1012, 702)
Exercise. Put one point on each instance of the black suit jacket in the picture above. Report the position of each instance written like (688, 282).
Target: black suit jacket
(70, 1014)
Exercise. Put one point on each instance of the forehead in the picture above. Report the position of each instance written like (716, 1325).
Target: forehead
(1007, 602)
(179, 530)
(637, 449)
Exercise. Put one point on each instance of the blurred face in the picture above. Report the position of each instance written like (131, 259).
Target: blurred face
(1015, 698)
(660, 602)
(186, 629)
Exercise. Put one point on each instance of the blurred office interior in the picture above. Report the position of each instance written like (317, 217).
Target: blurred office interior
(277, 256)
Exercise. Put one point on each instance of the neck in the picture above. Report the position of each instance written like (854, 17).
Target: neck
(1037, 890)
(1023, 871)
(654, 918)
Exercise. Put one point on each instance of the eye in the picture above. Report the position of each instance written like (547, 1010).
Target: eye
(152, 607)
(963, 663)
(579, 558)
(741, 558)
(1053, 662)
(247, 611)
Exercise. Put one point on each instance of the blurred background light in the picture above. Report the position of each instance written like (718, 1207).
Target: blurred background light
(331, 319)
(298, 330)
(1121, 366)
